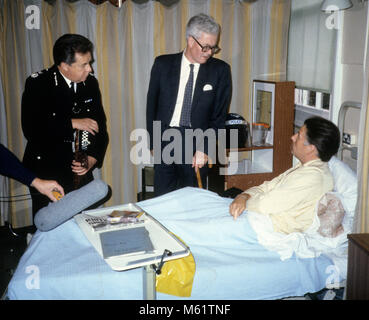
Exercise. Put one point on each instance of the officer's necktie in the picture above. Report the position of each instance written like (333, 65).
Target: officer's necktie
(73, 93)
(72, 88)
(187, 101)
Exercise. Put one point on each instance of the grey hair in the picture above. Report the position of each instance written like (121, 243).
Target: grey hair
(202, 23)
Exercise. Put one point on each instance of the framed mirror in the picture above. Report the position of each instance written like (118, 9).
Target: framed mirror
(263, 105)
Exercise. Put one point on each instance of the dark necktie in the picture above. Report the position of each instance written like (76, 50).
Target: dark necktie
(76, 109)
(72, 87)
(187, 101)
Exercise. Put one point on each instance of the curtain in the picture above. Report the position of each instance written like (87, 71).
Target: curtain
(4, 183)
(270, 25)
(13, 71)
(361, 221)
(127, 39)
(311, 46)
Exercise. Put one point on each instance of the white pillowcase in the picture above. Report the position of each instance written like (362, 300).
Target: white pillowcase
(345, 188)
(345, 184)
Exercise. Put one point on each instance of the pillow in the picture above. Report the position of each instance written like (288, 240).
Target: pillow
(330, 214)
(345, 183)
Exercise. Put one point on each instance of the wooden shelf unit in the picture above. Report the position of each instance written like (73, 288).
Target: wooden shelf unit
(281, 148)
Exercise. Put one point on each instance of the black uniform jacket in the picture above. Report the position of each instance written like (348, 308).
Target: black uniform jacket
(48, 105)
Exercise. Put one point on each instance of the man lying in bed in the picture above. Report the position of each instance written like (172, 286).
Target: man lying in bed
(291, 198)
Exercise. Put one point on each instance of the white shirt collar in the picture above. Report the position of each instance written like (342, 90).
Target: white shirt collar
(186, 62)
(66, 79)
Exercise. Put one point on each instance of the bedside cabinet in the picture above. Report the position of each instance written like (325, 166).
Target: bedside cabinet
(357, 286)
(273, 104)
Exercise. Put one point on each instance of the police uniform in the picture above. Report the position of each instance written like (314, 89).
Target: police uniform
(48, 105)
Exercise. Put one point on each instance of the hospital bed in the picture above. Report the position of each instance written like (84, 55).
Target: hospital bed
(231, 263)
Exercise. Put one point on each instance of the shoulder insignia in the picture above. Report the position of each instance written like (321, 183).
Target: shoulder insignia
(36, 74)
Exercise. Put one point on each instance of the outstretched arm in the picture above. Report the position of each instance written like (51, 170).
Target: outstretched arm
(238, 205)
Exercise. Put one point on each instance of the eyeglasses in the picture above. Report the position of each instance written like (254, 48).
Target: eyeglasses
(206, 48)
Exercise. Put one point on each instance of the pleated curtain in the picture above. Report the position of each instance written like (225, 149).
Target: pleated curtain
(127, 39)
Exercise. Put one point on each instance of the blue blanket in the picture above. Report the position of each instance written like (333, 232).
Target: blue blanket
(230, 263)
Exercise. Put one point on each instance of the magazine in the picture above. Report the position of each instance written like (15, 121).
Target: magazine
(114, 220)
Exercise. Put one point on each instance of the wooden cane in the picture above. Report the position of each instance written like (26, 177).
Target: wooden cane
(198, 176)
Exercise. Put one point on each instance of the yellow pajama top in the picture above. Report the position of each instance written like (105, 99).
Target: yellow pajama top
(290, 199)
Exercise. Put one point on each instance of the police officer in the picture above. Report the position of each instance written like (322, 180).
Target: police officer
(55, 104)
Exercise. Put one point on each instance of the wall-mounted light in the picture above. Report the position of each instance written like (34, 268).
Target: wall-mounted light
(335, 5)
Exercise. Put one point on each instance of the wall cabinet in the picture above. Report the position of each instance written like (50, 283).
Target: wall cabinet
(273, 103)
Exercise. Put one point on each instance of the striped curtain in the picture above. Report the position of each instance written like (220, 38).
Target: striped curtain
(127, 39)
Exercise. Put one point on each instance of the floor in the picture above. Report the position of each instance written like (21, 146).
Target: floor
(13, 243)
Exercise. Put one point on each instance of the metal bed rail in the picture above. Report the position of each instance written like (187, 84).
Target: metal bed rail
(341, 121)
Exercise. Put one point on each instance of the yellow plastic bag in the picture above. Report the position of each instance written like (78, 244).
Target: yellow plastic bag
(176, 277)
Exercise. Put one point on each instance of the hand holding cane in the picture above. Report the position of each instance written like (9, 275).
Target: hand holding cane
(198, 175)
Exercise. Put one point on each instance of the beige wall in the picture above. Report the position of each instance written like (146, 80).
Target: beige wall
(353, 49)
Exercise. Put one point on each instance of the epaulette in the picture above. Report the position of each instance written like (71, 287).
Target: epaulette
(36, 74)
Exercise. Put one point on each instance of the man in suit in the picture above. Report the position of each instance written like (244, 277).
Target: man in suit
(187, 91)
(55, 104)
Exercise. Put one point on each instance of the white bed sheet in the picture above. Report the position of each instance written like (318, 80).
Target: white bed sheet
(230, 263)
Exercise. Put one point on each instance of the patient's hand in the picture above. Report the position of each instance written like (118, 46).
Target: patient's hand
(238, 205)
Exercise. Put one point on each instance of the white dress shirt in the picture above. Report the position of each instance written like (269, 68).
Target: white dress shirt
(185, 72)
(69, 82)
